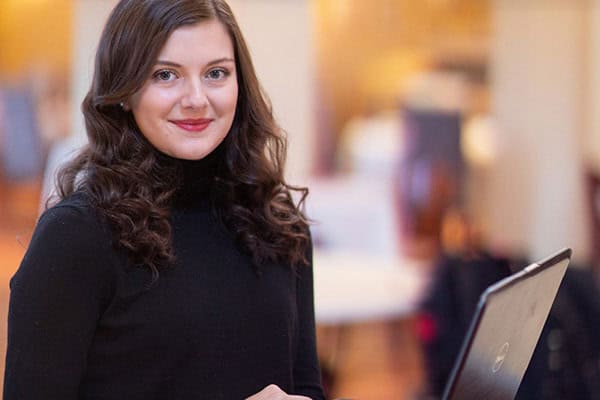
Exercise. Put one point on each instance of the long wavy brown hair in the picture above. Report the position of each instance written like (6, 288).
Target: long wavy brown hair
(132, 185)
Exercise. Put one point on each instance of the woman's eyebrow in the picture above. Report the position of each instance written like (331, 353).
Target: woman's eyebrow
(169, 63)
(221, 60)
(174, 64)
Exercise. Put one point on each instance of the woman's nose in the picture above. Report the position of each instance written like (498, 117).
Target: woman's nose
(194, 95)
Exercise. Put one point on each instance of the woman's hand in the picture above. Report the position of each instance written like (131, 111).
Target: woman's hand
(273, 392)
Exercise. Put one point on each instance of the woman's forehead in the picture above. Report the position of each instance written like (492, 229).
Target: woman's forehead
(203, 41)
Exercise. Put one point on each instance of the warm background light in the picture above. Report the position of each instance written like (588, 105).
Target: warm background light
(34, 35)
(367, 49)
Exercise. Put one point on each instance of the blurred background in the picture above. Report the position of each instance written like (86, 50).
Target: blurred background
(446, 143)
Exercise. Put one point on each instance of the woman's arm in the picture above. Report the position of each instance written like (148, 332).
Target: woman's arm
(57, 296)
(307, 374)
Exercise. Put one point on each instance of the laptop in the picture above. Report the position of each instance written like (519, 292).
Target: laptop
(505, 330)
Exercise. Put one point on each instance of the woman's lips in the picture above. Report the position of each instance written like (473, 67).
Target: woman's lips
(192, 125)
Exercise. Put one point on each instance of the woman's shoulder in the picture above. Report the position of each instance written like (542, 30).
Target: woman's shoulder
(73, 218)
(69, 244)
(75, 206)
(74, 200)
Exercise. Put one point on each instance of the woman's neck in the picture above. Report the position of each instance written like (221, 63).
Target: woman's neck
(197, 179)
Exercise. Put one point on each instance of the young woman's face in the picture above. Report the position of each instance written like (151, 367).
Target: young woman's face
(186, 107)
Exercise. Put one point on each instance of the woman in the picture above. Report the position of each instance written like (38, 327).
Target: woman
(176, 264)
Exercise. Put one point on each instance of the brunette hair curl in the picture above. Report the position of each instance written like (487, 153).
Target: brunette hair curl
(132, 184)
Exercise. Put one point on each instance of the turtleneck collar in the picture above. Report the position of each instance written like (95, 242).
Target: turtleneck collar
(197, 179)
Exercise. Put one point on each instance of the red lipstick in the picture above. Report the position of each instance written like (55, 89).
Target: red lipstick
(192, 125)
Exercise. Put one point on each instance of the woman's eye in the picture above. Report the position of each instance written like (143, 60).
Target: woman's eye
(165, 75)
(217, 74)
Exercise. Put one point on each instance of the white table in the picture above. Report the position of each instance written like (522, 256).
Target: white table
(353, 288)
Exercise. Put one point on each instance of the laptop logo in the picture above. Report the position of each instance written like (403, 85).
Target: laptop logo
(500, 357)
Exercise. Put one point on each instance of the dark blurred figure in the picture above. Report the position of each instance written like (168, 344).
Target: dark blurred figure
(431, 177)
(566, 362)
(592, 179)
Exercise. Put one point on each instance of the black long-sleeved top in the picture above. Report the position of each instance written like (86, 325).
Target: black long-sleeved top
(83, 324)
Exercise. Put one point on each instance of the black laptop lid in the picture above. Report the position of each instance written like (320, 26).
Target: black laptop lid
(505, 330)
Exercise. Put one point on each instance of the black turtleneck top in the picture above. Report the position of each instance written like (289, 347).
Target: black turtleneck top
(84, 324)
